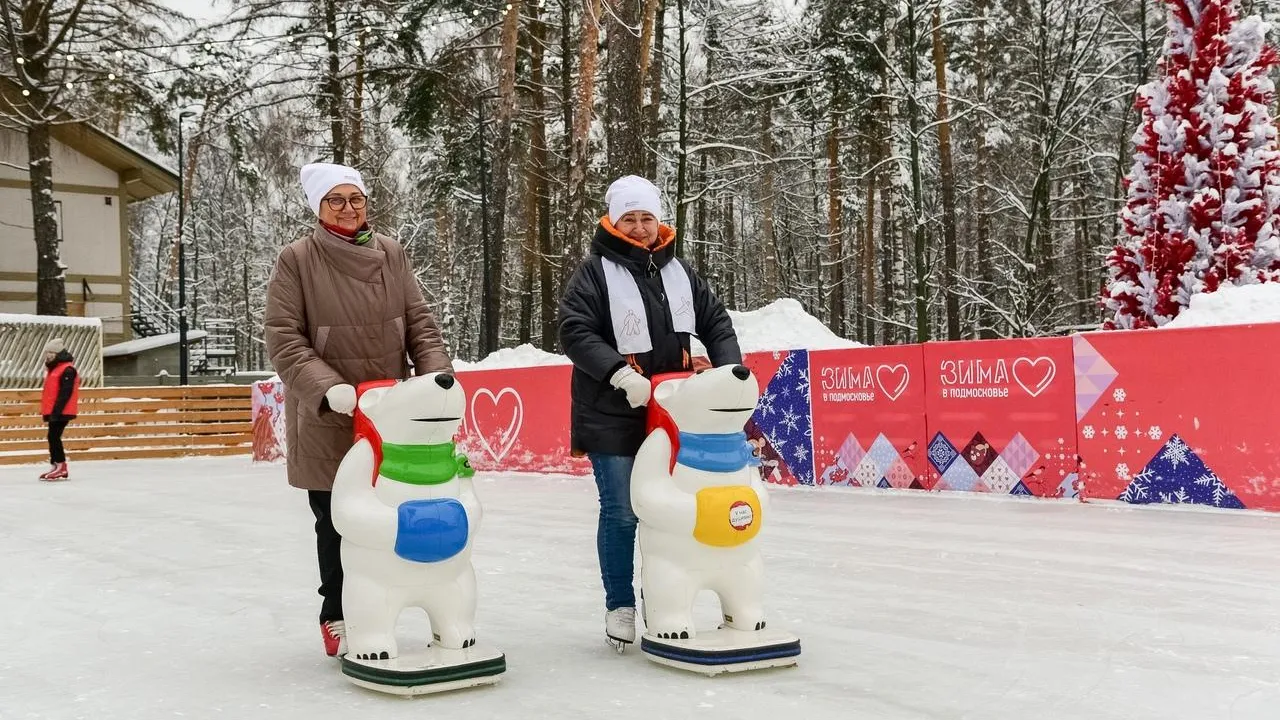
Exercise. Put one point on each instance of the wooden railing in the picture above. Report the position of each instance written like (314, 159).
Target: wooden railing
(116, 423)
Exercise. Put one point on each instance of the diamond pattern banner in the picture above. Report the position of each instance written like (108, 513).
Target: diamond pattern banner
(942, 453)
(1093, 375)
(1019, 455)
(999, 478)
(959, 476)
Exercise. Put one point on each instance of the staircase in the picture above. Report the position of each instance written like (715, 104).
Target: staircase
(152, 315)
(217, 354)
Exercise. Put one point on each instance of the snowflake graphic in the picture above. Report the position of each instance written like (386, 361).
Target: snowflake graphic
(1176, 453)
(1087, 431)
(766, 406)
(1119, 395)
(1122, 432)
(1122, 471)
(790, 420)
(1154, 432)
(803, 385)
(802, 453)
(1138, 489)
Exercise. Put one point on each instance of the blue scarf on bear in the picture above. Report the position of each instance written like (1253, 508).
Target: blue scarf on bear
(716, 453)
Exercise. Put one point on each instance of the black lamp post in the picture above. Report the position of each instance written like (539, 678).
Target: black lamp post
(183, 360)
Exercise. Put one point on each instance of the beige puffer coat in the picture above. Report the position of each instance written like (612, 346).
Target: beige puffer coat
(341, 313)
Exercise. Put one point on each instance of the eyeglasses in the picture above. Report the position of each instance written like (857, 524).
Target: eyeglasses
(337, 202)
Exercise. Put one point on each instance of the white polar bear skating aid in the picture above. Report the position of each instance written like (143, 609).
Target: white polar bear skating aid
(408, 515)
(697, 492)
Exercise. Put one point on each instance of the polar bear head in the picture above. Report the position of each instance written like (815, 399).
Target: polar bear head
(712, 402)
(424, 410)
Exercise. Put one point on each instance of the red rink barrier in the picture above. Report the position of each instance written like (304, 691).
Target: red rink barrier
(999, 416)
(869, 417)
(1152, 416)
(1181, 416)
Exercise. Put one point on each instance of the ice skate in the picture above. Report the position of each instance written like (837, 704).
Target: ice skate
(335, 638)
(620, 627)
(57, 472)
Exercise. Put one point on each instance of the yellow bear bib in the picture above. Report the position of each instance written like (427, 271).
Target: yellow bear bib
(727, 516)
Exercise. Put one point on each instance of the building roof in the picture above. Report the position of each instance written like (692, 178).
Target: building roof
(133, 347)
(144, 176)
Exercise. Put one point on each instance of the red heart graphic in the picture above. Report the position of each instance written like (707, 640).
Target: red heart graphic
(1025, 370)
(496, 424)
(892, 380)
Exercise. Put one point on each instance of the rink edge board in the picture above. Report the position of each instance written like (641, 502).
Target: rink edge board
(409, 678)
(720, 657)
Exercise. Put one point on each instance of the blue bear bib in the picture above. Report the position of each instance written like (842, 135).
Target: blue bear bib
(431, 530)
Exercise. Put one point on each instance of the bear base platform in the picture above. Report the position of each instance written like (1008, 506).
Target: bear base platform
(431, 671)
(725, 650)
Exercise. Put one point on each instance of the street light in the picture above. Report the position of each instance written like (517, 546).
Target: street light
(183, 361)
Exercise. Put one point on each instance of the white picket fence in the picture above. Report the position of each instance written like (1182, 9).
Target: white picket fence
(23, 337)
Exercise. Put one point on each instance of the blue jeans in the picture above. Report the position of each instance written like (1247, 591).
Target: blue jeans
(616, 533)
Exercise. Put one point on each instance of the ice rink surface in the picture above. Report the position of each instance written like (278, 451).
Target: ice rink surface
(186, 588)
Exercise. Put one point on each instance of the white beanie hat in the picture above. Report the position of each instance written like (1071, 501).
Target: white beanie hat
(319, 178)
(55, 346)
(630, 193)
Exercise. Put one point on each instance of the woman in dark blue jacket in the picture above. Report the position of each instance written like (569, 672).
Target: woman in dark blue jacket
(627, 315)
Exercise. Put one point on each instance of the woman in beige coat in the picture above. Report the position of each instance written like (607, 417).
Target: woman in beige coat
(343, 307)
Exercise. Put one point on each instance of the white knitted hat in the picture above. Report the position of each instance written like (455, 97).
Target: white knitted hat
(630, 193)
(319, 178)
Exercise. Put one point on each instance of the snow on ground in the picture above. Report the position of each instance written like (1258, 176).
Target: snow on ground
(1231, 305)
(185, 588)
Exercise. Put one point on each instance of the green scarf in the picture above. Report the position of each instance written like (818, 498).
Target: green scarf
(423, 464)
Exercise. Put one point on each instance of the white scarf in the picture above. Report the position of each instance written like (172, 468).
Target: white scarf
(626, 306)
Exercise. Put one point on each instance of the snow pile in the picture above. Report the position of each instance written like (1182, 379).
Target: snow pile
(1231, 305)
(784, 325)
(522, 356)
(780, 325)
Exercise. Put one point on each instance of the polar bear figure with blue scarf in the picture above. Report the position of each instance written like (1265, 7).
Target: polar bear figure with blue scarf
(698, 494)
(408, 514)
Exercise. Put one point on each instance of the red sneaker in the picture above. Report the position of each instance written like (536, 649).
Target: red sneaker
(57, 472)
(335, 637)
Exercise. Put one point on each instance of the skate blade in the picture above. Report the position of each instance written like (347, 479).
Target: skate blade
(422, 673)
(724, 650)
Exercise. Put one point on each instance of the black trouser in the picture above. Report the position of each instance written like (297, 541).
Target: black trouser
(56, 453)
(328, 551)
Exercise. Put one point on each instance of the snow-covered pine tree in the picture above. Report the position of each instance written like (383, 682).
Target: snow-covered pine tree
(1204, 188)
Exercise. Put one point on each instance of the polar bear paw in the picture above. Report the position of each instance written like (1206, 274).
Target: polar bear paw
(384, 655)
(682, 635)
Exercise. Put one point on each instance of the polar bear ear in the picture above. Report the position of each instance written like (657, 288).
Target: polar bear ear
(370, 398)
(666, 390)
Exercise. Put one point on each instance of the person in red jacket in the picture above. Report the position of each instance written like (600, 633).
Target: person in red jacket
(58, 403)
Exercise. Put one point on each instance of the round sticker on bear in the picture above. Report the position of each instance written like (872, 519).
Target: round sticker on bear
(741, 515)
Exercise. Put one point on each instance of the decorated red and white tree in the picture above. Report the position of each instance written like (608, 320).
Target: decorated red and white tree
(1204, 189)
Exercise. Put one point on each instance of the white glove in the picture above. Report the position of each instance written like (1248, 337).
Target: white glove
(342, 399)
(636, 386)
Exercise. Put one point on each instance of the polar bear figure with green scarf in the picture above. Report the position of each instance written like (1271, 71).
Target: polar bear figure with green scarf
(405, 506)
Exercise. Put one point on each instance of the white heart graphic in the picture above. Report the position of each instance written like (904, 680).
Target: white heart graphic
(897, 391)
(512, 431)
(1044, 382)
